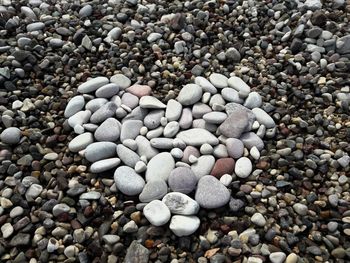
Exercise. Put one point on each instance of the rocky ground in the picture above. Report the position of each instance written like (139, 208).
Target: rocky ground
(296, 208)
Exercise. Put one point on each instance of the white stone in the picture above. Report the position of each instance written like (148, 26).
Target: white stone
(197, 137)
(160, 167)
(184, 225)
(239, 85)
(92, 84)
(75, 105)
(150, 102)
(190, 94)
(243, 167)
(104, 165)
(181, 204)
(157, 213)
(81, 142)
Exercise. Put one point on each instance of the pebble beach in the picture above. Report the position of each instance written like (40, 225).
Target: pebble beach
(144, 131)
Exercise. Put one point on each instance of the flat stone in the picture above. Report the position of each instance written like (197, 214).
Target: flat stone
(263, 118)
(100, 150)
(253, 100)
(239, 85)
(107, 91)
(277, 257)
(127, 156)
(109, 130)
(79, 118)
(235, 147)
(186, 119)
(181, 204)
(7, 230)
(205, 85)
(231, 95)
(171, 129)
(36, 26)
(215, 117)
(218, 80)
(203, 166)
(75, 105)
(200, 109)
(150, 102)
(104, 165)
(92, 84)
(182, 225)
(103, 113)
(235, 124)
(60, 208)
(144, 147)
(190, 94)
(223, 166)
(157, 213)
(95, 104)
(162, 143)
(243, 167)
(189, 150)
(130, 129)
(250, 139)
(11, 135)
(130, 100)
(140, 90)
(160, 167)
(211, 193)
(233, 107)
(154, 37)
(173, 110)
(81, 142)
(182, 179)
(197, 137)
(258, 219)
(128, 181)
(300, 209)
(152, 120)
(153, 190)
(85, 11)
(136, 253)
(92, 195)
(122, 81)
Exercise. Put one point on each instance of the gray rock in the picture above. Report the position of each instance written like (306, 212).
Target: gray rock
(137, 114)
(36, 26)
(182, 225)
(186, 119)
(28, 12)
(258, 219)
(33, 191)
(150, 102)
(95, 104)
(236, 204)
(128, 181)
(277, 257)
(181, 204)
(233, 55)
(130, 129)
(7, 230)
(173, 110)
(197, 137)
(182, 179)
(103, 113)
(343, 44)
(162, 143)
(144, 147)
(152, 120)
(231, 95)
(79, 118)
(200, 109)
(91, 195)
(235, 147)
(239, 85)
(104, 165)
(86, 11)
(122, 81)
(190, 94)
(215, 117)
(21, 239)
(253, 100)
(130, 100)
(157, 213)
(300, 209)
(154, 37)
(81, 142)
(160, 167)
(203, 166)
(236, 123)
(100, 150)
(313, 4)
(109, 130)
(171, 129)
(92, 84)
(218, 80)
(153, 190)
(128, 157)
(250, 139)
(211, 193)
(60, 208)
(136, 253)
(107, 91)
(205, 84)
(11, 135)
(263, 118)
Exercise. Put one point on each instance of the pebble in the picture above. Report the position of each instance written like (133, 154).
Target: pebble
(11, 135)
(197, 137)
(109, 130)
(81, 142)
(92, 84)
(300, 209)
(235, 124)
(160, 167)
(243, 167)
(74, 105)
(182, 179)
(149, 102)
(153, 190)
(277, 257)
(157, 213)
(128, 181)
(182, 225)
(263, 118)
(104, 165)
(122, 81)
(258, 219)
(190, 94)
(218, 80)
(173, 110)
(99, 151)
(205, 85)
(181, 204)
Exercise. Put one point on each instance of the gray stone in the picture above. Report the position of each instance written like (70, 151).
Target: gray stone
(127, 156)
(233, 55)
(81, 142)
(92, 84)
(104, 165)
(60, 208)
(190, 94)
(182, 225)
(153, 190)
(343, 44)
(253, 100)
(152, 120)
(205, 84)
(181, 204)
(160, 167)
(150, 102)
(130, 129)
(313, 4)
(154, 37)
(263, 118)
(258, 219)
(95, 104)
(91, 195)
(236, 204)
(186, 119)
(130, 100)
(122, 81)
(218, 80)
(144, 147)
(197, 137)
(231, 95)
(215, 117)
(75, 105)
(109, 130)
(250, 139)
(128, 181)
(171, 129)
(36, 26)
(7, 230)
(236, 123)
(162, 143)
(235, 147)
(243, 167)
(33, 191)
(200, 109)
(79, 118)
(239, 85)
(182, 179)
(277, 257)
(103, 113)
(107, 91)
(173, 110)
(86, 11)
(203, 166)
(136, 253)
(300, 209)
(211, 193)
(11, 135)
(100, 150)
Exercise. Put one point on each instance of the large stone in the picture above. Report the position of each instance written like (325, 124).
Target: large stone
(181, 204)
(205, 84)
(173, 110)
(136, 253)
(81, 142)
(95, 104)
(157, 213)
(11, 135)
(150, 102)
(223, 166)
(263, 118)
(218, 80)
(128, 157)
(235, 124)
(109, 130)
(144, 147)
(182, 179)
(184, 225)
(122, 81)
(139, 90)
(243, 167)
(104, 165)
(92, 84)
(75, 105)
(343, 44)
(100, 150)
(152, 120)
(203, 166)
(211, 193)
(197, 137)
(250, 139)
(160, 167)
(153, 190)
(235, 147)
(239, 85)
(130, 129)
(103, 113)
(190, 94)
(107, 91)
(128, 181)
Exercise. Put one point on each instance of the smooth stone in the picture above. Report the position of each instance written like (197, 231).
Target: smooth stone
(211, 193)
(223, 166)
(180, 204)
(239, 85)
(127, 156)
(300, 209)
(81, 142)
(236, 204)
(162, 143)
(136, 253)
(144, 147)
(107, 91)
(95, 104)
(235, 147)
(122, 81)
(150, 102)
(173, 110)
(200, 109)
(154, 37)
(292, 258)
(103, 113)
(130, 129)
(128, 181)
(197, 137)
(263, 118)
(152, 120)
(243, 167)
(75, 105)
(157, 213)
(186, 119)
(205, 84)
(140, 90)
(131, 144)
(79, 118)
(231, 95)
(226, 179)
(258, 219)
(206, 149)
(171, 129)
(236, 123)
(109, 130)
(104, 165)
(153, 190)
(33, 191)
(85, 11)
(188, 151)
(11, 135)
(60, 208)
(253, 100)
(218, 80)
(36, 26)
(92, 195)
(190, 94)
(182, 225)
(250, 139)
(130, 100)
(177, 153)
(160, 167)
(233, 107)
(100, 150)
(203, 166)
(182, 179)
(7, 230)
(215, 117)
(92, 84)
(140, 167)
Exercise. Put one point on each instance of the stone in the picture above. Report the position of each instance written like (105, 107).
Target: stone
(236, 123)
(109, 130)
(154, 37)
(231, 95)
(74, 105)
(277, 257)
(33, 191)
(215, 117)
(182, 179)
(130, 129)
(81, 142)
(236, 204)
(144, 147)
(223, 166)
(250, 139)
(182, 225)
(79, 118)
(103, 113)
(36, 26)
(300, 209)
(7, 230)
(190, 94)
(160, 167)
(152, 120)
(140, 90)
(157, 213)
(136, 253)
(200, 109)
(85, 11)
(239, 85)
(186, 119)
(258, 219)
(181, 204)
(150, 102)
(263, 118)
(235, 147)
(127, 156)
(104, 165)
(21, 239)
(92, 195)
(243, 167)
(253, 100)
(203, 166)
(197, 137)
(162, 143)
(211, 193)
(11, 135)
(128, 181)
(107, 91)
(122, 81)
(60, 208)
(100, 150)
(95, 104)
(292, 258)
(93, 84)
(205, 85)
(173, 110)
(342, 44)
(153, 190)
(312, 4)
(218, 80)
